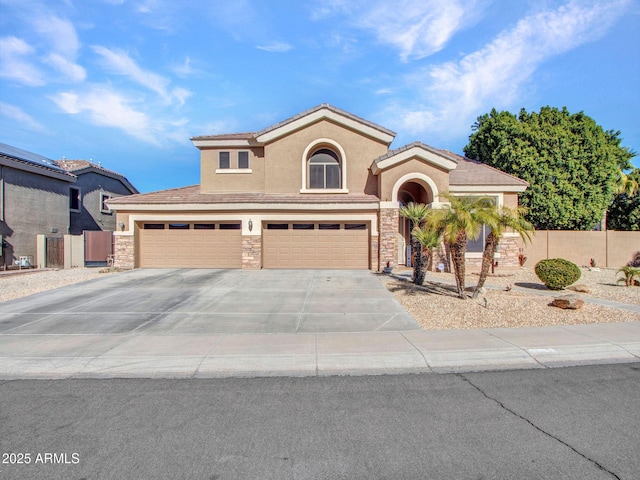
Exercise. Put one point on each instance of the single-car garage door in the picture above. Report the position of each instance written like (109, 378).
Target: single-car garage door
(190, 245)
(316, 245)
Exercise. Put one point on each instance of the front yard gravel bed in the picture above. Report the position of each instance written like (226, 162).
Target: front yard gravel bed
(435, 305)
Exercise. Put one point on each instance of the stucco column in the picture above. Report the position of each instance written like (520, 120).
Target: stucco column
(388, 236)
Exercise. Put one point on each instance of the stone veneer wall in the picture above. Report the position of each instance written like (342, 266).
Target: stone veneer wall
(388, 238)
(374, 253)
(251, 252)
(123, 252)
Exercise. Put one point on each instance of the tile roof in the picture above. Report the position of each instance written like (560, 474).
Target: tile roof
(333, 109)
(391, 153)
(250, 135)
(78, 167)
(192, 195)
(226, 136)
(473, 172)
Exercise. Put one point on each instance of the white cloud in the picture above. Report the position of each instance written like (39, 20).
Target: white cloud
(104, 106)
(277, 47)
(183, 69)
(121, 63)
(61, 37)
(452, 94)
(15, 64)
(59, 33)
(17, 114)
(417, 28)
(71, 70)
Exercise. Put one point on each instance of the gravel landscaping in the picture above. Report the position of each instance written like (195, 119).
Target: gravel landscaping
(16, 285)
(435, 305)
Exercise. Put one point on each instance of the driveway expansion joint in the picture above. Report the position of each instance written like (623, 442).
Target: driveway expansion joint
(540, 429)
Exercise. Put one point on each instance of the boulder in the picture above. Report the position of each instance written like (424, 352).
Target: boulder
(571, 302)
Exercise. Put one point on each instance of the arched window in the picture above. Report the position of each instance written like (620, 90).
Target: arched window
(324, 169)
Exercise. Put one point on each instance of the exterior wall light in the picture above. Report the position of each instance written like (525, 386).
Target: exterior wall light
(250, 224)
(121, 225)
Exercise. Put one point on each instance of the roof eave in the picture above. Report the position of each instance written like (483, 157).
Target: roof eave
(37, 169)
(487, 188)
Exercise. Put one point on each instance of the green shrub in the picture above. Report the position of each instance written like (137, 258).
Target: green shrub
(557, 273)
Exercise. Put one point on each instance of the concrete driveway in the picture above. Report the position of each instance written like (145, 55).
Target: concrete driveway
(180, 301)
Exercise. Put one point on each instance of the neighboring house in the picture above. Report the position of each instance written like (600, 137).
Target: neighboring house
(40, 196)
(34, 199)
(318, 190)
(88, 196)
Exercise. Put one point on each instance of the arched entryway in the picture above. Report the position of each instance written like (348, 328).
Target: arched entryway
(416, 190)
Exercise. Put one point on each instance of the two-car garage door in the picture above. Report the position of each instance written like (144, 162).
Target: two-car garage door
(284, 245)
(315, 245)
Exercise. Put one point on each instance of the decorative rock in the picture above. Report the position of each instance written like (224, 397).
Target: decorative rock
(571, 302)
(580, 287)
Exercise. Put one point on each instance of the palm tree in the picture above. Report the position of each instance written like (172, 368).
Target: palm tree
(459, 221)
(428, 239)
(417, 213)
(504, 218)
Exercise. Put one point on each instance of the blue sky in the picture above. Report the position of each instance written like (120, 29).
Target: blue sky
(127, 82)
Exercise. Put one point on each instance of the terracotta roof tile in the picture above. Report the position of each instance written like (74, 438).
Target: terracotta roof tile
(333, 109)
(473, 172)
(192, 195)
(226, 136)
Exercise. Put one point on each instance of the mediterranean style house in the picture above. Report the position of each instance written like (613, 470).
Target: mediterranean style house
(321, 189)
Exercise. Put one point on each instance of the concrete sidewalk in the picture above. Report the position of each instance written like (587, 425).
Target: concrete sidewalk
(237, 355)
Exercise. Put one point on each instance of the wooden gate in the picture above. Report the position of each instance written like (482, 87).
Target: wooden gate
(98, 248)
(55, 252)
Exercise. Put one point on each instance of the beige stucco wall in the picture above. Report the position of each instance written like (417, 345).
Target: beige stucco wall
(212, 182)
(283, 157)
(510, 200)
(390, 177)
(608, 249)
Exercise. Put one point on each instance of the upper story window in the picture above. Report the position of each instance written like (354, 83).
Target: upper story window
(74, 199)
(224, 160)
(104, 198)
(243, 159)
(324, 169)
(234, 162)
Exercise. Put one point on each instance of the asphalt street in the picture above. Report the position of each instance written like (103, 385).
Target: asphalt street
(570, 423)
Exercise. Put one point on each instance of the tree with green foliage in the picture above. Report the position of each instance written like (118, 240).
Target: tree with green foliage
(458, 221)
(624, 212)
(571, 163)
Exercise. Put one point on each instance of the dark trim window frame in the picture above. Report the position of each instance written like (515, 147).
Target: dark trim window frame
(75, 199)
(104, 197)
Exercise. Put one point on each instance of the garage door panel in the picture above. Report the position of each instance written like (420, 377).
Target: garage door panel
(190, 248)
(331, 249)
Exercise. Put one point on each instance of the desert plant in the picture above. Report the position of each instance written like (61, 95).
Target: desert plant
(557, 273)
(631, 275)
(457, 222)
(417, 213)
(499, 221)
(635, 261)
